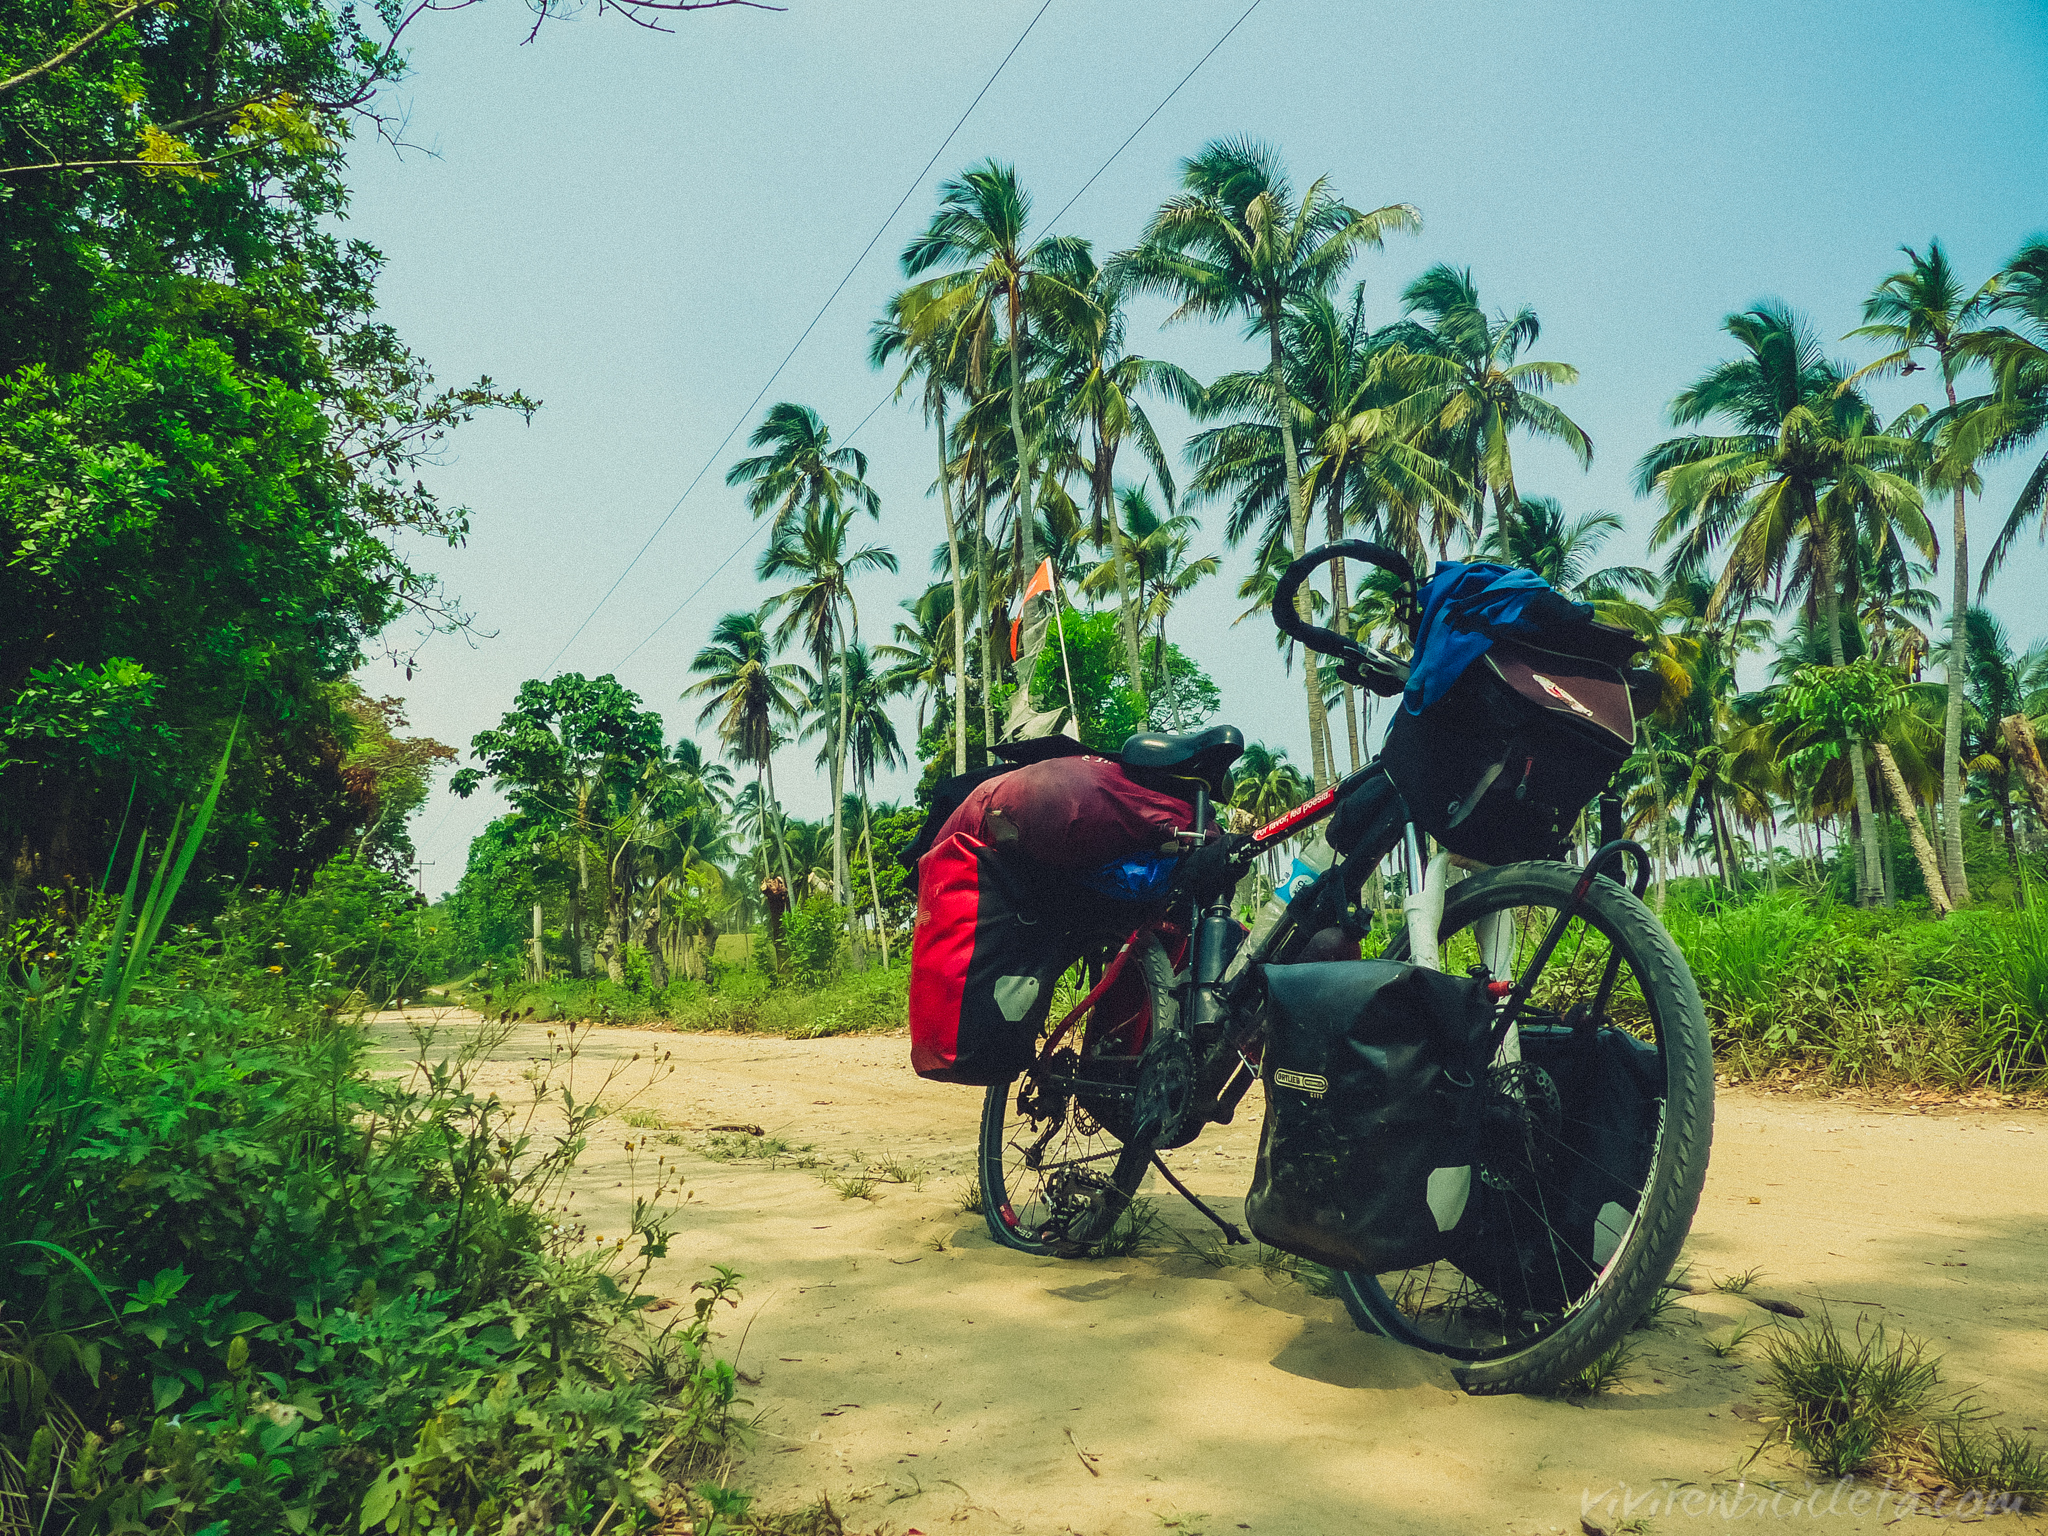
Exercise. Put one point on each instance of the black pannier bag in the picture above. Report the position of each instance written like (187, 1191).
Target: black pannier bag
(1589, 1103)
(1499, 768)
(1371, 1115)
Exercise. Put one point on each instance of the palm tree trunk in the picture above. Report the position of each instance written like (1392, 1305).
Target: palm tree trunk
(1027, 535)
(959, 603)
(1340, 588)
(1869, 887)
(839, 892)
(1660, 861)
(582, 897)
(1923, 850)
(2012, 844)
(988, 660)
(772, 809)
(867, 837)
(1952, 723)
(1721, 847)
(1297, 524)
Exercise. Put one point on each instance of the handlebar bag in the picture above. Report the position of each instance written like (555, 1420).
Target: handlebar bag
(1499, 767)
(1588, 1104)
(1371, 1127)
(983, 963)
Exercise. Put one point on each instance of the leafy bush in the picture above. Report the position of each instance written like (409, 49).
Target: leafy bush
(1868, 995)
(814, 939)
(253, 1289)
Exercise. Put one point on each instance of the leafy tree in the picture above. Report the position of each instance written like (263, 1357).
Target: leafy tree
(1111, 703)
(388, 776)
(1238, 241)
(1926, 307)
(817, 556)
(208, 444)
(1802, 478)
(1475, 393)
(565, 750)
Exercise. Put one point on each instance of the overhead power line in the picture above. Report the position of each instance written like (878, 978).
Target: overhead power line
(1129, 138)
(738, 550)
(1184, 79)
(767, 383)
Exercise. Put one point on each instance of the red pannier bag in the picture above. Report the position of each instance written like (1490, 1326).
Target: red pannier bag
(1071, 813)
(982, 966)
(996, 922)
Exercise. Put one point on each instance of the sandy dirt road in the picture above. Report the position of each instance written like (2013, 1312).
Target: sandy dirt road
(930, 1381)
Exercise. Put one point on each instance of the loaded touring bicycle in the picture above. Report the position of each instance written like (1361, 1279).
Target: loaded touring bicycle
(1494, 1132)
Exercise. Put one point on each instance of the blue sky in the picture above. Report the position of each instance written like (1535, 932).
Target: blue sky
(635, 227)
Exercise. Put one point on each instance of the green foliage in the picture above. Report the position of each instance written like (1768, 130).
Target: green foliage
(738, 998)
(208, 442)
(814, 939)
(1870, 995)
(1111, 703)
(356, 929)
(343, 1304)
(1830, 706)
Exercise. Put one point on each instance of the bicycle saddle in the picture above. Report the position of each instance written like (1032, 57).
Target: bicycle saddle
(1195, 755)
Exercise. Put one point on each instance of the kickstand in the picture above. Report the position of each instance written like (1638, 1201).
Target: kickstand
(1231, 1233)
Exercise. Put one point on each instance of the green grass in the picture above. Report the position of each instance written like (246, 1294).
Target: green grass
(1994, 1462)
(1822, 989)
(737, 1000)
(1602, 1374)
(1849, 1403)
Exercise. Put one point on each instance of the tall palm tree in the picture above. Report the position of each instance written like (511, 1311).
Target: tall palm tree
(1790, 490)
(2001, 684)
(2014, 416)
(1345, 391)
(914, 328)
(751, 694)
(1098, 384)
(801, 468)
(1476, 392)
(849, 707)
(1237, 241)
(920, 653)
(815, 554)
(1540, 538)
(1153, 565)
(1925, 308)
(978, 235)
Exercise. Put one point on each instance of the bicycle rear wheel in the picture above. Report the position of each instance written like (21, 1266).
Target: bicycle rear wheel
(1602, 1118)
(1056, 1167)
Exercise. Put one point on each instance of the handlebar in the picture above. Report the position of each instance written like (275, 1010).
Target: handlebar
(1360, 664)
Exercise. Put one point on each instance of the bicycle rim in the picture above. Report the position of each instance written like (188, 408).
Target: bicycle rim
(1584, 1193)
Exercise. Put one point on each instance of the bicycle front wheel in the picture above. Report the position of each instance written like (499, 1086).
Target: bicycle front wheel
(1592, 1167)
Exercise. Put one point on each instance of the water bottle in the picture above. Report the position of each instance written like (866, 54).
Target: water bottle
(1307, 868)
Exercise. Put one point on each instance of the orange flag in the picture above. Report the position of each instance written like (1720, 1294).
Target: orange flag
(1039, 586)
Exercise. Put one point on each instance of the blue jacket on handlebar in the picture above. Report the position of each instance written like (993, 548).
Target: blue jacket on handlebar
(1466, 606)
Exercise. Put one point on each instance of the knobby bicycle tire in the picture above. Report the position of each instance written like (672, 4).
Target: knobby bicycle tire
(1055, 1168)
(1567, 1328)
